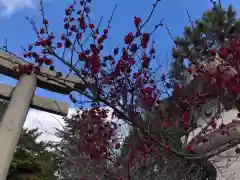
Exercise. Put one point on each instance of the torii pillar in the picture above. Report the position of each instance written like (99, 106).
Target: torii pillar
(22, 97)
(13, 120)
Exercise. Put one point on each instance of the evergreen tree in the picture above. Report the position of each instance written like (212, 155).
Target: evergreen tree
(32, 159)
(214, 29)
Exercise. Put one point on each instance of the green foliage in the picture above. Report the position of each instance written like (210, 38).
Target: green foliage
(201, 36)
(32, 160)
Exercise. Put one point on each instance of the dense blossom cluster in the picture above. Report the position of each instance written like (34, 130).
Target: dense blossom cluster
(223, 70)
(96, 133)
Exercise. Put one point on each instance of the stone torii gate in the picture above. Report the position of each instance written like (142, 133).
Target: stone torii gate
(22, 97)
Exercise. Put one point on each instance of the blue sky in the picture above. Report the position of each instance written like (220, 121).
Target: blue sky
(19, 33)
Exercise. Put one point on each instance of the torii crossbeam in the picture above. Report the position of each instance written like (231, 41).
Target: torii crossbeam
(22, 97)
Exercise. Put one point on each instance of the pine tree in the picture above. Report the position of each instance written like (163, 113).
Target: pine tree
(32, 159)
(214, 29)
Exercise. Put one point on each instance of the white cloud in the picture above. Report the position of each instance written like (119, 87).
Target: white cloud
(46, 122)
(8, 7)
